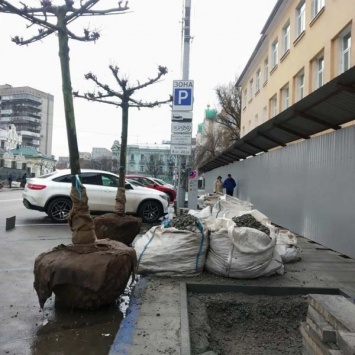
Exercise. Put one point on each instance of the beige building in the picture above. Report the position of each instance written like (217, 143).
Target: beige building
(31, 111)
(303, 45)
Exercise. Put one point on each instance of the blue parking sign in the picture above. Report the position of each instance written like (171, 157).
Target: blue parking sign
(183, 95)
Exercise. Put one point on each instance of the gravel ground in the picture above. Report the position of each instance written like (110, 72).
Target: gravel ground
(228, 324)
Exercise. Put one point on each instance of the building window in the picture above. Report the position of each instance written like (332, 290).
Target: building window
(142, 156)
(318, 72)
(274, 53)
(257, 81)
(245, 93)
(142, 169)
(273, 106)
(251, 89)
(243, 130)
(300, 18)
(266, 70)
(249, 126)
(256, 120)
(286, 38)
(285, 97)
(345, 48)
(317, 5)
(300, 86)
(132, 156)
(264, 114)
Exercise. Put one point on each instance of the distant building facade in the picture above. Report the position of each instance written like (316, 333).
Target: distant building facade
(31, 110)
(138, 156)
(9, 138)
(99, 153)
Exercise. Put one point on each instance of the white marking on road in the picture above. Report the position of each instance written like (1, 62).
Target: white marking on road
(42, 224)
(14, 199)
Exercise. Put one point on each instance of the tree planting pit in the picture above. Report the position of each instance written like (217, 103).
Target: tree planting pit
(230, 319)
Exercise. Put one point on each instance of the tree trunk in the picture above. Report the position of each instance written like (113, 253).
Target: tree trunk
(87, 222)
(121, 194)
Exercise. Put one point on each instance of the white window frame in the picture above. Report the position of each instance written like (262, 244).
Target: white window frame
(251, 89)
(300, 18)
(273, 106)
(245, 96)
(286, 37)
(285, 97)
(345, 51)
(266, 69)
(264, 114)
(316, 7)
(257, 80)
(319, 72)
(300, 85)
(275, 53)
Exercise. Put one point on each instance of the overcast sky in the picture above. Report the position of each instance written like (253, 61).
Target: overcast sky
(224, 35)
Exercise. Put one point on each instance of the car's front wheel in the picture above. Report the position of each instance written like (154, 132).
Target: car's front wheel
(150, 211)
(58, 209)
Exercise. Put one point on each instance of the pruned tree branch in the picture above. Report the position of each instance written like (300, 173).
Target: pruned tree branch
(126, 91)
(42, 15)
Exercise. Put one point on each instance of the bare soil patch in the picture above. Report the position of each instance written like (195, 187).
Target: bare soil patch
(235, 323)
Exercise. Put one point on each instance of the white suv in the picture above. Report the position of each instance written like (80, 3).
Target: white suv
(51, 194)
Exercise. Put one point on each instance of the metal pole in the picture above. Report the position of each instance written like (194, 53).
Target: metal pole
(185, 76)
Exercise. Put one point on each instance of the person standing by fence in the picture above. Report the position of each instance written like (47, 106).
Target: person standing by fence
(229, 184)
(218, 185)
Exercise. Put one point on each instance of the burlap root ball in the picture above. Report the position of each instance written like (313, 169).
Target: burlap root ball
(85, 276)
(121, 228)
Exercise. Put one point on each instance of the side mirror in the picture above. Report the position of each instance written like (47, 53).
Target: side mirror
(128, 186)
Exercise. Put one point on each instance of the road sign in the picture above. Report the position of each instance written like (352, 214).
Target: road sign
(192, 174)
(181, 139)
(181, 127)
(183, 95)
(181, 116)
(180, 149)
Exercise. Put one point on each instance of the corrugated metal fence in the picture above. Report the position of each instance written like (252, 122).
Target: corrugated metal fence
(307, 187)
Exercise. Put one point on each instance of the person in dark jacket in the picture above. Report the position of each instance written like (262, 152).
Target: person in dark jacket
(9, 179)
(229, 184)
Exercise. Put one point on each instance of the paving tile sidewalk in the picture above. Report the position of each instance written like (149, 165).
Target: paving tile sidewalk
(153, 324)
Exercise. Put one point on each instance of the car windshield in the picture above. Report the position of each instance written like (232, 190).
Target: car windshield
(160, 182)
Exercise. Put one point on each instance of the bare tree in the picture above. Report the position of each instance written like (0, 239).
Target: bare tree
(50, 19)
(154, 165)
(229, 98)
(122, 98)
(211, 144)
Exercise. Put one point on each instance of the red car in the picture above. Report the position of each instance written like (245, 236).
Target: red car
(150, 182)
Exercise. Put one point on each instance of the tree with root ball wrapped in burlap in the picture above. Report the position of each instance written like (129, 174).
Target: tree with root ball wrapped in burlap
(117, 225)
(87, 273)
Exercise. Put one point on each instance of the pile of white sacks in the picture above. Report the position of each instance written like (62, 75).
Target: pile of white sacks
(217, 245)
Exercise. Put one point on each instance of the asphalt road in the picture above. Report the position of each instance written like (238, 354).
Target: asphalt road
(24, 328)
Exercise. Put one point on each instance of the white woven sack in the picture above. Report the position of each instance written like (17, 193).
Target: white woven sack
(288, 253)
(208, 200)
(172, 252)
(204, 216)
(226, 203)
(284, 236)
(242, 252)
